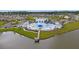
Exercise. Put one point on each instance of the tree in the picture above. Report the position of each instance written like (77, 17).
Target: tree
(56, 17)
(30, 18)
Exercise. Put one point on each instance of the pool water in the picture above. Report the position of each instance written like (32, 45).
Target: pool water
(43, 26)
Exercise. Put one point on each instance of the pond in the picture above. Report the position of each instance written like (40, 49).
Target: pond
(11, 40)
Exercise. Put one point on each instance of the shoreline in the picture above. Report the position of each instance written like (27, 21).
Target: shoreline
(44, 35)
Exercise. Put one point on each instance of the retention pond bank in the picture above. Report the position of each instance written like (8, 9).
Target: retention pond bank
(14, 40)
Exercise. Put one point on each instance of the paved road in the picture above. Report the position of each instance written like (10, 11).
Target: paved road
(9, 25)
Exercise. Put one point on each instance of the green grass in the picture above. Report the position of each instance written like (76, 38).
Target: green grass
(44, 35)
(14, 22)
(67, 28)
(2, 23)
(20, 31)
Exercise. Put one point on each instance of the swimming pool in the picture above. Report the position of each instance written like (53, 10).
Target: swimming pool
(43, 26)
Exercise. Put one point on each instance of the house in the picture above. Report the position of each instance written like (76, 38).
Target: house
(66, 17)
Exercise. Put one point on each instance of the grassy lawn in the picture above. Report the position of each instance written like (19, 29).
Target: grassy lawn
(2, 23)
(14, 22)
(17, 30)
(20, 31)
(67, 28)
(43, 35)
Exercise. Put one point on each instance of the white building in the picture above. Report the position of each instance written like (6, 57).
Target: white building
(40, 20)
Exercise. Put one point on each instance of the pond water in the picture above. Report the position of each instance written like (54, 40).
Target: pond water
(11, 40)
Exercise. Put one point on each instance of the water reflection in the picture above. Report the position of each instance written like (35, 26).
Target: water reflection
(13, 40)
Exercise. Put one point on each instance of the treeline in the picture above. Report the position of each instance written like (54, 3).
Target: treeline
(26, 12)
